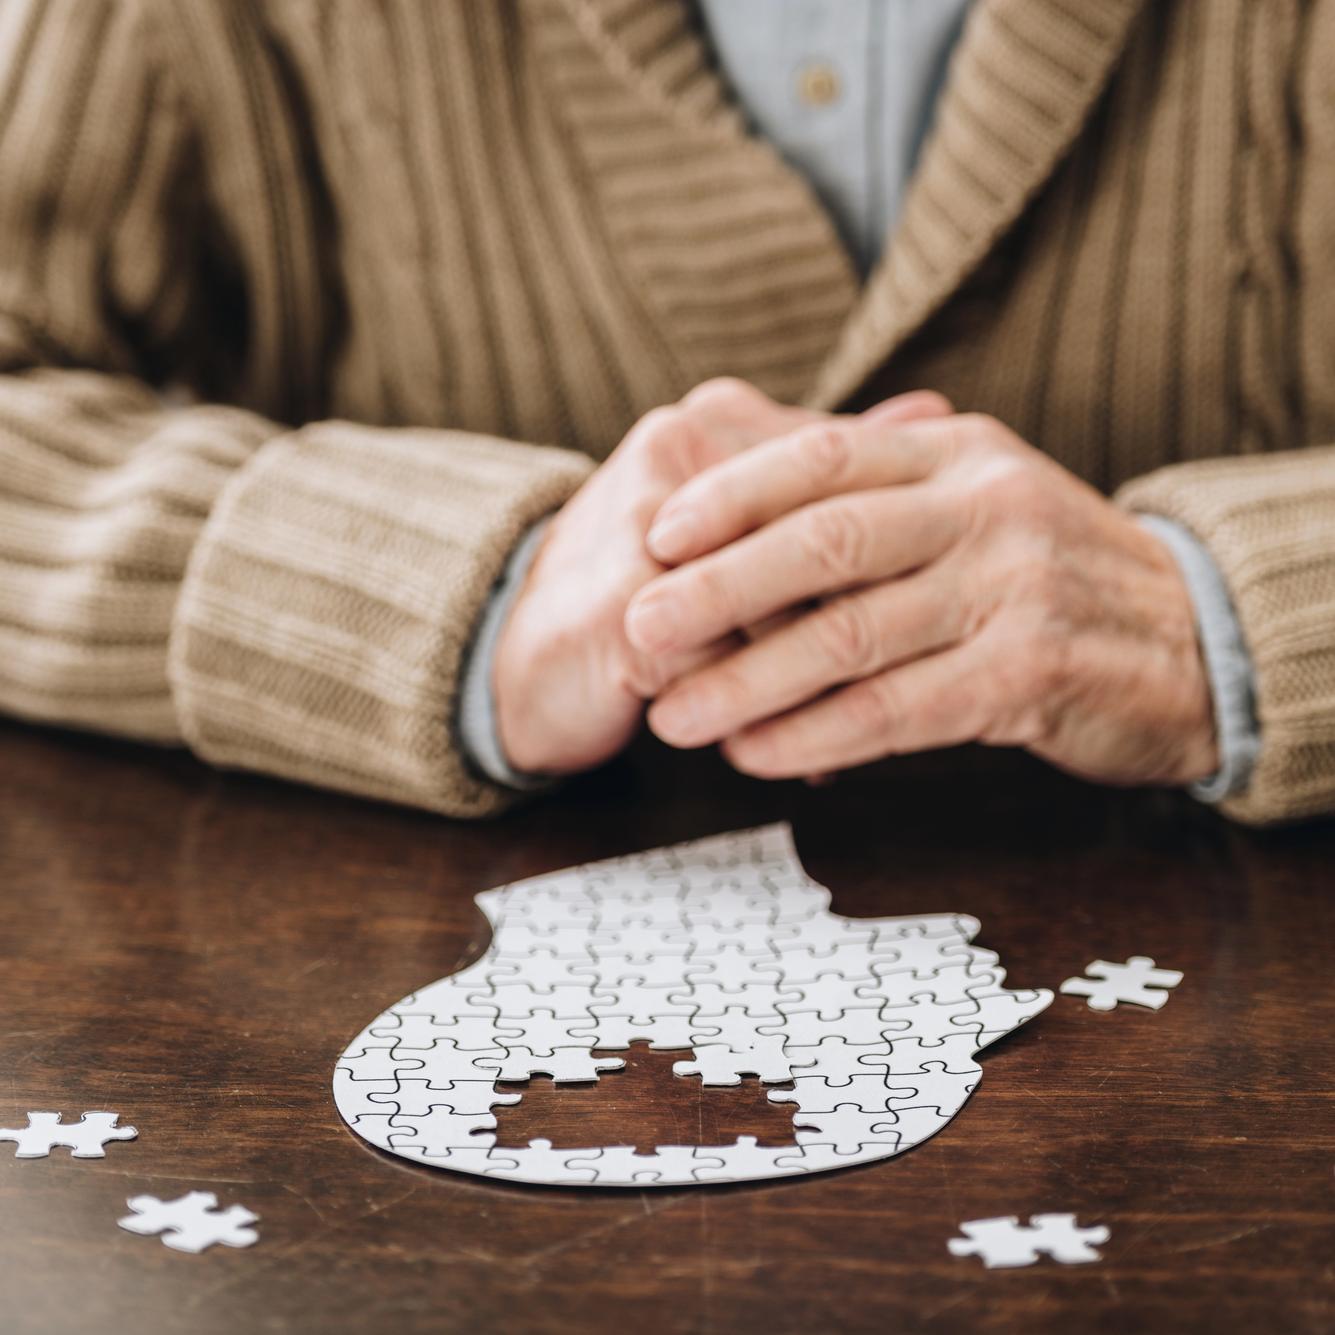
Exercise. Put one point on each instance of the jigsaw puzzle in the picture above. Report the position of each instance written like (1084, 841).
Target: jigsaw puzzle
(1137, 983)
(723, 946)
(1006, 1242)
(192, 1222)
(84, 1139)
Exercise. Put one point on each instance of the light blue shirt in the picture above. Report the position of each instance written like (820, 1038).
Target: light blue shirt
(846, 92)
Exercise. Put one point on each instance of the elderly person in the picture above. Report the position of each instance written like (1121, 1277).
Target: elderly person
(401, 397)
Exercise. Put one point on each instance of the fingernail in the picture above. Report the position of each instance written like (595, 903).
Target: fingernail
(650, 623)
(910, 405)
(677, 719)
(672, 535)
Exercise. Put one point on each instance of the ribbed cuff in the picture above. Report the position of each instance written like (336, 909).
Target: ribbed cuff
(1268, 521)
(327, 604)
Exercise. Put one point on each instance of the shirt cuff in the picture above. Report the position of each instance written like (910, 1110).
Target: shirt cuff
(1228, 664)
(479, 737)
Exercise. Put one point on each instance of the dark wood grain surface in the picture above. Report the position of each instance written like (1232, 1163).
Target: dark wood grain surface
(195, 949)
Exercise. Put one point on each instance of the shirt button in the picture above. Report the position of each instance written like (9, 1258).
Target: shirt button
(818, 84)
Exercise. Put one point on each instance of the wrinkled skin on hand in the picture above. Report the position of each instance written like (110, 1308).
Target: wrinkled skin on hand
(570, 687)
(944, 582)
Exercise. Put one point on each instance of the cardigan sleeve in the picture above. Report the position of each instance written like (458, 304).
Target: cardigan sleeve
(288, 598)
(1269, 522)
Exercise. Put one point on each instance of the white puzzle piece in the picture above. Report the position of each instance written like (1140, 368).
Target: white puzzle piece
(1006, 1242)
(191, 1222)
(723, 948)
(84, 1138)
(1137, 982)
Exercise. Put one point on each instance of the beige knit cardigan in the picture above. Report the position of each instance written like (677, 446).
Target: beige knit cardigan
(309, 307)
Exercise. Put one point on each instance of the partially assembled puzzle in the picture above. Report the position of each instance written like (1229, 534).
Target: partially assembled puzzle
(723, 947)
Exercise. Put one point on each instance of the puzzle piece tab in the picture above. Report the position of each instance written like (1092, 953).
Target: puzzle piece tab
(848, 1127)
(1005, 1242)
(565, 1064)
(192, 1222)
(84, 1138)
(1137, 982)
(718, 1064)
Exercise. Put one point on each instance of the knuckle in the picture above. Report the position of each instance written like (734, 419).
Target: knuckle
(1011, 491)
(725, 393)
(961, 436)
(670, 441)
(846, 637)
(656, 437)
(870, 709)
(834, 539)
(982, 432)
(978, 426)
(710, 588)
(824, 452)
(730, 692)
(639, 674)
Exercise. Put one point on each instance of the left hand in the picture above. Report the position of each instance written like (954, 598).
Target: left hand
(955, 585)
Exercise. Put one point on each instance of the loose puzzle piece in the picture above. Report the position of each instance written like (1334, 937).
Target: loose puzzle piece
(1136, 982)
(84, 1138)
(191, 1222)
(1006, 1242)
(723, 948)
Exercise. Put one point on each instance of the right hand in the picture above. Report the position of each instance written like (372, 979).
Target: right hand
(570, 690)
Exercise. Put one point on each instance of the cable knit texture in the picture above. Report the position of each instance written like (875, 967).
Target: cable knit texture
(309, 307)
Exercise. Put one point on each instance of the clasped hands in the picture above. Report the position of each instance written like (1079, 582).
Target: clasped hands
(813, 592)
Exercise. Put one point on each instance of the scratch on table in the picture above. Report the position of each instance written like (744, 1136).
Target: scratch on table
(138, 1173)
(1198, 1245)
(706, 1268)
(947, 1186)
(305, 1199)
(280, 1253)
(959, 1296)
(536, 1258)
(1031, 1091)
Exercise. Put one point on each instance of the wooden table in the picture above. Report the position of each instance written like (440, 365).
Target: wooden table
(194, 950)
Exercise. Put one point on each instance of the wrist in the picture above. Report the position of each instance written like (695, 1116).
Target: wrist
(1192, 714)
(480, 729)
